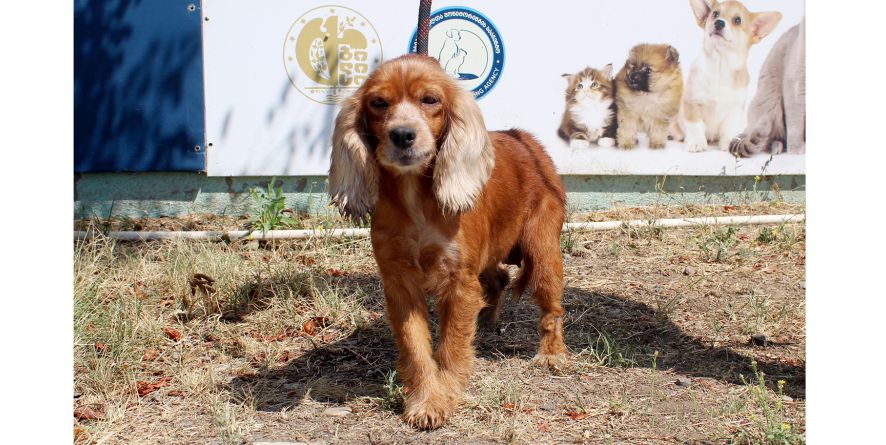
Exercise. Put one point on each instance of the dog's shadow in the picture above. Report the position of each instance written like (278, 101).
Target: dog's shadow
(360, 364)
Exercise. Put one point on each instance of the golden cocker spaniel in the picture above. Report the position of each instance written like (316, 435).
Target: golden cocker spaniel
(449, 203)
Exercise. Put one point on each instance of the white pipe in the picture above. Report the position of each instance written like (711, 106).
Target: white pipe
(355, 233)
(688, 222)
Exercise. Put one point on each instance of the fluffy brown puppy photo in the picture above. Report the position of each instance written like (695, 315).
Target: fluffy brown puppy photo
(647, 94)
(449, 203)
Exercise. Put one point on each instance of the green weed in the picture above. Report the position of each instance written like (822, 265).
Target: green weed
(271, 209)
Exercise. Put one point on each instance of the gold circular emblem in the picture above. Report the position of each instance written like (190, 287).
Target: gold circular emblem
(329, 51)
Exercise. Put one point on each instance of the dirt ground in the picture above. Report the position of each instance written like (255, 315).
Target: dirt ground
(677, 336)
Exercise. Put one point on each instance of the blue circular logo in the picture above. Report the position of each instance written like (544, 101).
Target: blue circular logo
(468, 47)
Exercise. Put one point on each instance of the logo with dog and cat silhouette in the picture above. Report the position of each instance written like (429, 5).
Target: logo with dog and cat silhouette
(468, 46)
(329, 52)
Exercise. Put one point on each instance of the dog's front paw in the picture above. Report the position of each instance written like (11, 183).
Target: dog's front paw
(696, 146)
(426, 411)
(549, 361)
(579, 144)
(627, 143)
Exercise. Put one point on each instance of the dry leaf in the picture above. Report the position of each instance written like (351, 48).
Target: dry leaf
(172, 334)
(310, 327)
(201, 283)
(575, 415)
(86, 412)
(145, 388)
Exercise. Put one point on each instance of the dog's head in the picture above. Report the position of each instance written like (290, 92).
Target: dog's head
(408, 118)
(650, 67)
(729, 25)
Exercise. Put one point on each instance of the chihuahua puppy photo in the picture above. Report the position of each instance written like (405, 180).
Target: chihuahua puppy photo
(713, 108)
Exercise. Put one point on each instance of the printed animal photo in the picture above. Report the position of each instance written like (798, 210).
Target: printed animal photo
(589, 117)
(777, 114)
(647, 94)
(713, 109)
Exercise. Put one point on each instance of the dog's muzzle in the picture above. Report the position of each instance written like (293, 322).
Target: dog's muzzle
(638, 80)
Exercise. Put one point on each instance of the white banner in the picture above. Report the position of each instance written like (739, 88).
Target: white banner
(275, 71)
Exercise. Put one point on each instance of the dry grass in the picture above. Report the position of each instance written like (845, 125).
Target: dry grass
(284, 330)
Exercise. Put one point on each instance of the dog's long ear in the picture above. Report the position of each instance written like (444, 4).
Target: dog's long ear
(353, 174)
(466, 155)
(763, 23)
(701, 9)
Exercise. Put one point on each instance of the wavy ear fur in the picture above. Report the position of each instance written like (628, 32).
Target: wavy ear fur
(465, 158)
(353, 174)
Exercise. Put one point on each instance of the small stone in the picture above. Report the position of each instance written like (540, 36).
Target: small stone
(803, 285)
(251, 245)
(688, 270)
(548, 406)
(759, 340)
(337, 411)
(786, 398)
(684, 382)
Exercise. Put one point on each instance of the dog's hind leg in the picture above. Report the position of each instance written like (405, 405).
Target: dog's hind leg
(543, 272)
(494, 280)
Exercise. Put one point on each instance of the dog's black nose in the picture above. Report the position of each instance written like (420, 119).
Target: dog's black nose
(402, 137)
(719, 25)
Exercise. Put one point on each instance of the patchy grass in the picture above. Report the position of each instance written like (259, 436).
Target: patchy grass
(198, 342)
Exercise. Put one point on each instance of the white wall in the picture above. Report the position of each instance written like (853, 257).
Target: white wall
(259, 124)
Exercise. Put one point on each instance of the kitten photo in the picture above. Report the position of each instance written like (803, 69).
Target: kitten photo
(590, 110)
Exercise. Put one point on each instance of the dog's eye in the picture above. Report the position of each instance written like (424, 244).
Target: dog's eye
(429, 100)
(716, 14)
(737, 20)
(648, 70)
(378, 103)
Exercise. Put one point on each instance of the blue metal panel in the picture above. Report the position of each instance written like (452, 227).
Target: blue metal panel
(138, 86)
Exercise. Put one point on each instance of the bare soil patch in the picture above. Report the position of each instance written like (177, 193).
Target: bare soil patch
(660, 324)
